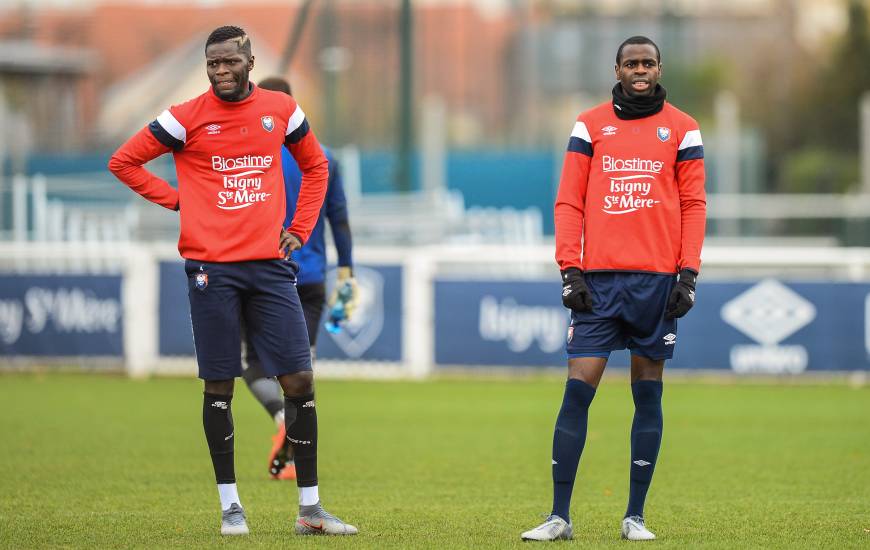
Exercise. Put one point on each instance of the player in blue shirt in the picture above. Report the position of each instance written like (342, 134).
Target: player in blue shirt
(311, 286)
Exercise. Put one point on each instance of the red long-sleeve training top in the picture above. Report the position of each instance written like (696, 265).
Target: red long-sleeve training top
(631, 196)
(230, 182)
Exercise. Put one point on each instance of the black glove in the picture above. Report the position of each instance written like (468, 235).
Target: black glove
(682, 297)
(575, 294)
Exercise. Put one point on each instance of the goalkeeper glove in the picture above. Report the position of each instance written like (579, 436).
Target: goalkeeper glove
(682, 297)
(344, 279)
(576, 295)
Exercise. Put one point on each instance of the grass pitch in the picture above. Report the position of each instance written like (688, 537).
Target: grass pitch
(91, 461)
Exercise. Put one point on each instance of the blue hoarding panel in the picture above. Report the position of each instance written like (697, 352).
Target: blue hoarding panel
(61, 315)
(760, 326)
(175, 335)
(499, 323)
(774, 326)
(374, 333)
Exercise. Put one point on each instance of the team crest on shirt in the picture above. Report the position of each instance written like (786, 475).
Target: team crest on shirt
(268, 123)
(663, 133)
(201, 280)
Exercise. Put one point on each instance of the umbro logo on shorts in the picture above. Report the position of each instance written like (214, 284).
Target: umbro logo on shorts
(670, 339)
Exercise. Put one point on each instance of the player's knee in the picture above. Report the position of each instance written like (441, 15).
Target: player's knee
(644, 368)
(220, 387)
(295, 385)
(254, 371)
(647, 395)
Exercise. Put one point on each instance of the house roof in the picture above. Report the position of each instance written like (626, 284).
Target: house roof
(169, 80)
(25, 56)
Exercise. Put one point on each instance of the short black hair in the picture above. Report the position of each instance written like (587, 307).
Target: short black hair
(637, 40)
(227, 33)
(276, 84)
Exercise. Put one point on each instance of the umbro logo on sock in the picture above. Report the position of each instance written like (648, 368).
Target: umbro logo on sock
(641, 462)
(227, 438)
(308, 404)
(220, 404)
(299, 441)
(554, 462)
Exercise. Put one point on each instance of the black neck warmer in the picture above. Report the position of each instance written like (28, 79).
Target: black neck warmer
(629, 107)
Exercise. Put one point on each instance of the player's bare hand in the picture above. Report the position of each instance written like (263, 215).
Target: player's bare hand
(288, 242)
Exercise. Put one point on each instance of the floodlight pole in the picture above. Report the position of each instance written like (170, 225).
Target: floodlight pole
(329, 68)
(295, 37)
(406, 124)
(864, 129)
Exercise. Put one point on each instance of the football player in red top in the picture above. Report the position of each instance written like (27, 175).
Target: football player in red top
(227, 149)
(630, 216)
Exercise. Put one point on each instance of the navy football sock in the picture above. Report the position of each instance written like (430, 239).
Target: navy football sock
(646, 438)
(217, 421)
(568, 440)
(300, 419)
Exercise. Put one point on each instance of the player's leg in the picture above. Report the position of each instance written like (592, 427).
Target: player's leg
(267, 391)
(313, 298)
(278, 333)
(591, 337)
(646, 438)
(214, 312)
(569, 438)
(281, 461)
(652, 342)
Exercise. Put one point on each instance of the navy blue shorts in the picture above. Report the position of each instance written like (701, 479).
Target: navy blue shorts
(260, 293)
(629, 312)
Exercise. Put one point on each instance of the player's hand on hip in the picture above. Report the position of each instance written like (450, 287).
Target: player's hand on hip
(682, 297)
(288, 242)
(576, 295)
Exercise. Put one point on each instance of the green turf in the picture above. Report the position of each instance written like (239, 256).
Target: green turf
(91, 461)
